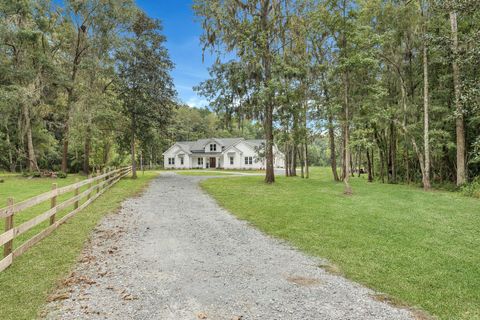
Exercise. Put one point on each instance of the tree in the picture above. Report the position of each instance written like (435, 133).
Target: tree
(144, 82)
(92, 25)
(252, 32)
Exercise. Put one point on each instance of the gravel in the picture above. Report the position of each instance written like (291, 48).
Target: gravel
(173, 253)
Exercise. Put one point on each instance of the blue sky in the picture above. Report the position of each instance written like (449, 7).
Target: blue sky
(183, 43)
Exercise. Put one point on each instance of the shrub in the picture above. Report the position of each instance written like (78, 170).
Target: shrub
(2, 181)
(472, 189)
(36, 174)
(26, 174)
(61, 175)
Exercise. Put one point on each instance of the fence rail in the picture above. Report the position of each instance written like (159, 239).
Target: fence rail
(96, 186)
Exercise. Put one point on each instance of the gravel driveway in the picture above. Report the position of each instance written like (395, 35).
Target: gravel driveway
(173, 253)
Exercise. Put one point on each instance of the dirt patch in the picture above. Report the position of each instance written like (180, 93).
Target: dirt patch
(304, 281)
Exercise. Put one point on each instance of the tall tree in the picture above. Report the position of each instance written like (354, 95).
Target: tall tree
(459, 121)
(145, 85)
(251, 30)
(92, 24)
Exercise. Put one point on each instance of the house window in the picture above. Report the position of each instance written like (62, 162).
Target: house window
(248, 160)
(200, 161)
(181, 161)
(213, 147)
(231, 160)
(171, 160)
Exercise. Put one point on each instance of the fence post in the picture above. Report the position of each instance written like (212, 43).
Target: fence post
(89, 186)
(75, 205)
(7, 247)
(53, 203)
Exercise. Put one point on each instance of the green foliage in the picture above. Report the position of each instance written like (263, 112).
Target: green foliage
(472, 189)
(36, 174)
(61, 175)
(144, 84)
(60, 102)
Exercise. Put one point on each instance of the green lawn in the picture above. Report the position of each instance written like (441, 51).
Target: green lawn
(25, 285)
(422, 249)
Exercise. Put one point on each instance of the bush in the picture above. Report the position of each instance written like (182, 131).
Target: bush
(2, 181)
(472, 189)
(26, 174)
(36, 174)
(61, 175)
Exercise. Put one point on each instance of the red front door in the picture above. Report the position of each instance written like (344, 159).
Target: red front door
(213, 163)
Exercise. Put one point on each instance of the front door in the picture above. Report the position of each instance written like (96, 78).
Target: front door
(213, 163)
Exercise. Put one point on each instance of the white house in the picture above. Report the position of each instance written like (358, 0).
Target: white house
(228, 153)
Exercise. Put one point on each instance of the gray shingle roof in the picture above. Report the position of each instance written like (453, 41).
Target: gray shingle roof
(199, 145)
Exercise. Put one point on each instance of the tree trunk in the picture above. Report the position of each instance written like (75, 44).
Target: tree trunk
(352, 164)
(270, 174)
(287, 160)
(302, 162)
(333, 156)
(459, 121)
(392, 159)
(134, 163)
(106, 152)
(343, 154)
(369, 167)
(407, 164)
(293, 170)
(11, 165)
(348, 188)
(426, 139)
(65, 153)
(373, 163)
(86, 151)
(32, 159)
(382, 166)
(359, 162)
(268, 122)
(307, 170)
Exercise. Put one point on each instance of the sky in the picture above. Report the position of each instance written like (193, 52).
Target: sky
(183, 42)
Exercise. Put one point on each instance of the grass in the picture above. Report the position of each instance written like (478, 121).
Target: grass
(25, 285)
(421, 249)
(22, 188)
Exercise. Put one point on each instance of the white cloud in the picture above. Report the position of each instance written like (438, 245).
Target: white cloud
(197, 102)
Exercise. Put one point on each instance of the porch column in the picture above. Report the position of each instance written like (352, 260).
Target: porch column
(204, 162)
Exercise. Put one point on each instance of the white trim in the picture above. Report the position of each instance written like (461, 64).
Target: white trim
(233, 146)
(179, 145)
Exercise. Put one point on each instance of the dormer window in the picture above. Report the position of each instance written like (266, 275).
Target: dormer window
(213, 147)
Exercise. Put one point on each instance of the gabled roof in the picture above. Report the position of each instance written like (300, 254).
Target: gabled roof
(198, 146)
(183, 147)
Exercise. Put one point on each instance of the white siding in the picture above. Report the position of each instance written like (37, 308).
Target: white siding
(177, 153)
(237, 159)
(218, 148)
(247, 151)
(239, 152)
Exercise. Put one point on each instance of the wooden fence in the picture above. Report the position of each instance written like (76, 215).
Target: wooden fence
(95, 187)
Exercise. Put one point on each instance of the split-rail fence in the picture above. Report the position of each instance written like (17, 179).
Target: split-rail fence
(95, 187)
